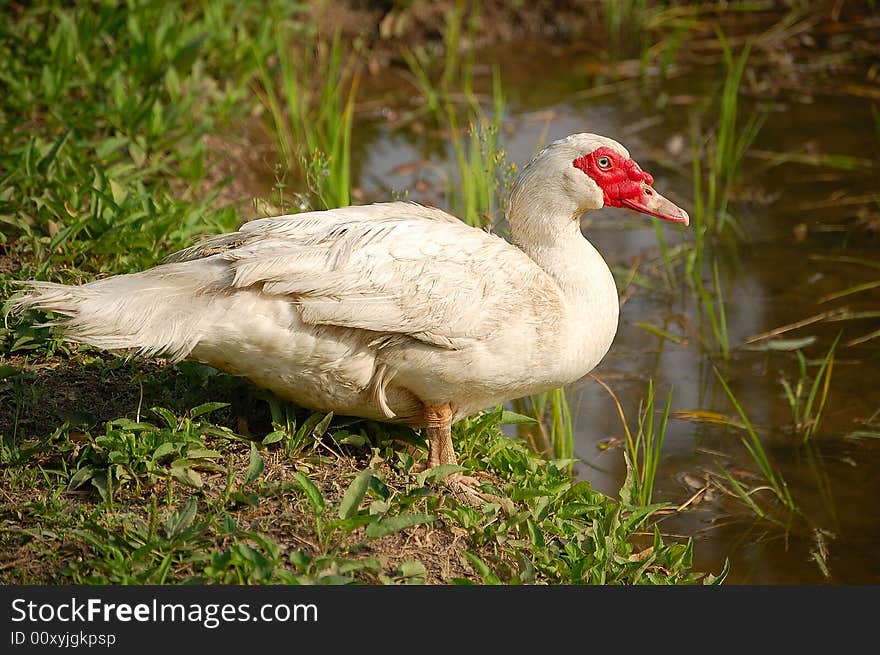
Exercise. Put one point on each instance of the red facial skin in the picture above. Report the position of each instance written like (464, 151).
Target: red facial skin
(620, 182)
(624, 184)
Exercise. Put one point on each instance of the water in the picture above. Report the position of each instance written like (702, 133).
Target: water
(770, 276)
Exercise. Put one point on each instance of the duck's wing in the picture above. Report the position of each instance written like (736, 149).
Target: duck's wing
(392, 268)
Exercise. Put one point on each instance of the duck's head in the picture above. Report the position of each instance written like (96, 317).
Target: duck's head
(592, 171)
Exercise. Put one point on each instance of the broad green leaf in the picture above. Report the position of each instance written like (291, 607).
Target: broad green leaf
(312, 493)
(80, 477)
(165, 449)
(322, 425)
(392, 524)
(99, 482)
(355, 493)
(412, 569)
(181, 519)
(482, 568)
(438, 472)
(202, 453)
(169, 417)
(7, 371)
(255, 465)
(512, 418)
(274, 437)
(206, 408)
(187, 476)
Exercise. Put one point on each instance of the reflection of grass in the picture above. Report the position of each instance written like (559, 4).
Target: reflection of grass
(753, 445)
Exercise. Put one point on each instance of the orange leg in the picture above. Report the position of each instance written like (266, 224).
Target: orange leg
(438, 424)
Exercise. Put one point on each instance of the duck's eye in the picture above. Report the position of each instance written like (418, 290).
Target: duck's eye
(604, 163)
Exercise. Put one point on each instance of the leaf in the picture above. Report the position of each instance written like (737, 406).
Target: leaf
(412, 569)
(202, 453)
(165, 449)
(180, 520)
(717, 579)
(512, 418)
(206, 408)
(355, 493)
(344, 437)
(438, 472)
(45, 162)
(7, 371)
(322, 425)
(482, 568)
(312, 493)
(99, 482)
(256, 465)
(81, 476)
(782, 344)
(187, 476)
(393, 524)
(169, 417)
(274, 437)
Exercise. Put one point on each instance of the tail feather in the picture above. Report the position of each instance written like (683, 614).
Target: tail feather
(159, 311)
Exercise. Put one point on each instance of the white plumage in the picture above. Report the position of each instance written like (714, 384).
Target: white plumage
(382, 311)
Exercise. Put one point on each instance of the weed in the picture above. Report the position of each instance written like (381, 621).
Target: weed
(313, 125)
(753, 445)
(803, 401)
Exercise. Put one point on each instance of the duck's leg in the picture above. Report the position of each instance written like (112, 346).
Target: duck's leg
(438, 425)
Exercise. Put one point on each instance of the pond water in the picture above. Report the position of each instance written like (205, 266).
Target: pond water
(792, 215)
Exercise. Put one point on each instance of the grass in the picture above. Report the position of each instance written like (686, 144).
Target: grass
(808, 400)
(553, 433)
(179, 497)
(715, 165)
(483, 177)
(775, 482)
(642, 450)
(127, 472)
(103, 108)
(312, 116)
(712, 185)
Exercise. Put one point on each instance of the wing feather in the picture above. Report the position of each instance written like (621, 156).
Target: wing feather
(397, 268)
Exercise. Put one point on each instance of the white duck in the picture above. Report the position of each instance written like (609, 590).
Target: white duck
(393, 311)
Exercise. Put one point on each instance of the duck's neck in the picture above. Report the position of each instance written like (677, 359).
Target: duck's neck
(547, 229)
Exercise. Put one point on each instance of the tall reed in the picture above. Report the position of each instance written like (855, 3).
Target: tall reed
(723, 150)
(312, 112)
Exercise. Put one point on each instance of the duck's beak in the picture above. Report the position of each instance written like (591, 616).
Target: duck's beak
(652, 203)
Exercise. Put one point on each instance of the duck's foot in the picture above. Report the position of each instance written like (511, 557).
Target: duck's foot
(466, 490)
